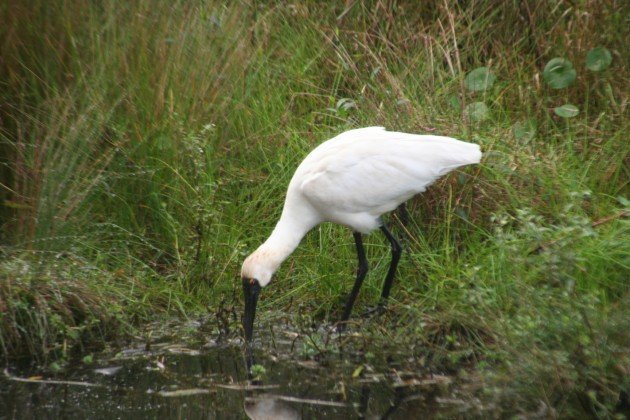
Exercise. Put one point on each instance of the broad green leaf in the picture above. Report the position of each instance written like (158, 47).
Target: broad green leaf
(567, 111)
(453, 101)
(598, 59)
(55, 367)
(480, 78)
(559, 73)
(477, 111)
(525, 130)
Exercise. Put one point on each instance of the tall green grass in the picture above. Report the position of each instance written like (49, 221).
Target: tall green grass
(146, 148)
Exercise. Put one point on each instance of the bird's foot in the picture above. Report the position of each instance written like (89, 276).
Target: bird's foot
(340, 327)
(375, 311)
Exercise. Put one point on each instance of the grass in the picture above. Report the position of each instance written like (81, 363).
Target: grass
(146, 149)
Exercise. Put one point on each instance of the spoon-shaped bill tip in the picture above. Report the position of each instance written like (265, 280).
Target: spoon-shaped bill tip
(251, 290)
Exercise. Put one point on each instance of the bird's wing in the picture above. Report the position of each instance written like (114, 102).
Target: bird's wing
(374, 183)
(373, 170)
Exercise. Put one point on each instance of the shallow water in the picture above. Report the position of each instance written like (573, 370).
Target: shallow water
(209, 380)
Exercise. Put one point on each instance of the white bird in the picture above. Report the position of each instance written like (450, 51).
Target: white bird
(352, 179)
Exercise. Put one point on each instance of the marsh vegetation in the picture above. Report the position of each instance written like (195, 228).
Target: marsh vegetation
(146, 147)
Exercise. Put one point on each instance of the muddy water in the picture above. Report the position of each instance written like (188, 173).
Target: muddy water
(179, 379)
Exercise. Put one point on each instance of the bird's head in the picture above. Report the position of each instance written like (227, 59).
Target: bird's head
(256, 273)
(259, 266)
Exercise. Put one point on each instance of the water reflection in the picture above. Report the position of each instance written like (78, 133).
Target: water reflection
(269, 408)
(373, 397)
(174, 382)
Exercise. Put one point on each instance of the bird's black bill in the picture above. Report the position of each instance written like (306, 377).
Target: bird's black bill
(251, 290)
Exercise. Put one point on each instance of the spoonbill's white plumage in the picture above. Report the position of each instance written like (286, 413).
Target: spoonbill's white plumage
(352, 179)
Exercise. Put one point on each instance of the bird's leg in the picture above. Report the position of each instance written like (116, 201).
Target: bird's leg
(361, 272)
(389, 279)
(396, 251)
(403, 214)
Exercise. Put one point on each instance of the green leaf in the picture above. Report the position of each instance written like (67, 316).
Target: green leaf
(567, 111)
(598, 59)
(453, 101)
(477, 111)
(525, 130)
(461, 178)
(461, 213)
(55, 367)
(257, 370)
(559, 73)
(357, 372)
(480, 78)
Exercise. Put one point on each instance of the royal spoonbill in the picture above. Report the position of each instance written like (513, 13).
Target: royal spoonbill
(352, 179)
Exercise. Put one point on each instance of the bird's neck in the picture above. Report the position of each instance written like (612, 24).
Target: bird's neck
(285, 237)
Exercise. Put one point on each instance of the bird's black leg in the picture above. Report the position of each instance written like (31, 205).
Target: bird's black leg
(403, 214)
(396, 251)
(361, 272)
